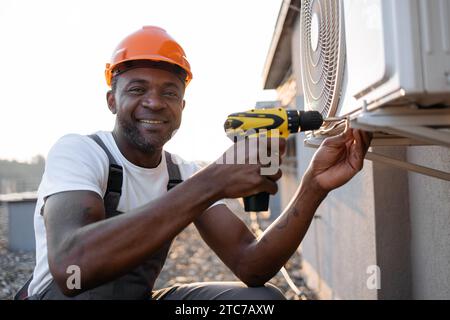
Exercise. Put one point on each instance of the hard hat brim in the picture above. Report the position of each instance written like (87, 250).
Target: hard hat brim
(155, 58)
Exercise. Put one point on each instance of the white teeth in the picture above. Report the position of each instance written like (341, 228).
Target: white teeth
(151, 121)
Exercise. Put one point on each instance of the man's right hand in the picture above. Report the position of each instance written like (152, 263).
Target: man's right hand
(235, 179)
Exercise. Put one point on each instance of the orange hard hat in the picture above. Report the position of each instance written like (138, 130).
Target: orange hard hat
(149, 43)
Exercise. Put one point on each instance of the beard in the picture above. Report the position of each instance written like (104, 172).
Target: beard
(133, 135)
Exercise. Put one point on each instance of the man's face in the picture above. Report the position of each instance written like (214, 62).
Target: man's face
(148, 103)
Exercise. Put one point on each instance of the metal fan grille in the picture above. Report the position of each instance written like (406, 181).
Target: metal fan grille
(322, 54)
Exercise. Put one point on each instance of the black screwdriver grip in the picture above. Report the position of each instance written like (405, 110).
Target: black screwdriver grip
(257, 202)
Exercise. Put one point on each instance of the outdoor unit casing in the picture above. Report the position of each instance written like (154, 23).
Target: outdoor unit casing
(378, 52)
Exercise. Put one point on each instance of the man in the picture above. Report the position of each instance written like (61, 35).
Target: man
(118, 247)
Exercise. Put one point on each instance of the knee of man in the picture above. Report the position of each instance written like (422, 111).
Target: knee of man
(267, 292)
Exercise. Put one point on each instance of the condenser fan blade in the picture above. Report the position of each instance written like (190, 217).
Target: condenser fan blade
(322, 54)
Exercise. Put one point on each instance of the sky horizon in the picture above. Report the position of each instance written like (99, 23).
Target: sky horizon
(53, 82)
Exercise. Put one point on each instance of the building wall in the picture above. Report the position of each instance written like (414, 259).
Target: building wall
(392, 226)
(384, 217)
(429, 200)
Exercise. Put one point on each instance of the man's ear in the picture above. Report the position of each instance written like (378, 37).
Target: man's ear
(184, 104)
(111, 102)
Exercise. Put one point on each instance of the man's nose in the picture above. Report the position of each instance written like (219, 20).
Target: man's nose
(153, 102)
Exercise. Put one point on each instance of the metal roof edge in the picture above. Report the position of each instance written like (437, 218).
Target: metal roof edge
(289, 9)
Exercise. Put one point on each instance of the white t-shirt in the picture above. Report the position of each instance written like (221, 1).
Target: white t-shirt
(77, 162)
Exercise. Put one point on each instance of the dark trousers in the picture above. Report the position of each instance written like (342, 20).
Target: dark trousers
(192, 291)
(218, 291)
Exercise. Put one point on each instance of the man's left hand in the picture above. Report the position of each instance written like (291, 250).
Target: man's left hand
(338, 159)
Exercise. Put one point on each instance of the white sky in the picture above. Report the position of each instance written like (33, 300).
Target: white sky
(53, 55)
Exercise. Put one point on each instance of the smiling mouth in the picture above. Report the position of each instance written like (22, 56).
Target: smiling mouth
(152, 121)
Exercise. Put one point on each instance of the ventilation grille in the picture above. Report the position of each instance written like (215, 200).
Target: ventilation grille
(322, 54)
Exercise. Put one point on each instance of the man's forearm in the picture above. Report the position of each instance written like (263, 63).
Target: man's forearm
(106, 249)
(275, 246)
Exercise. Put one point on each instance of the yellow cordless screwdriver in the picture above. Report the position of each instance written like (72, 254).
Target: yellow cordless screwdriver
(284, 122)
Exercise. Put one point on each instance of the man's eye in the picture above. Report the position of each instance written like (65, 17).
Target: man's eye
(136, 90)
(171, 94)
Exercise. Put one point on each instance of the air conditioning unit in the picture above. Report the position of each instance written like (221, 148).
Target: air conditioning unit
(385, 64)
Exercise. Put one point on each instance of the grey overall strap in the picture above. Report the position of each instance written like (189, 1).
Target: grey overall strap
(174, 172)
(115, 179)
